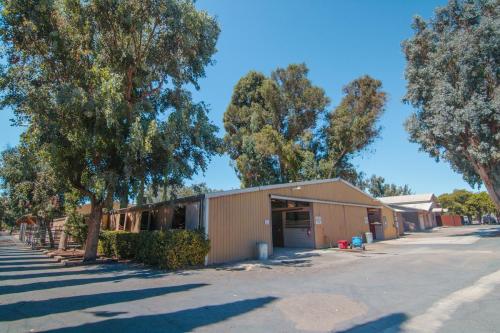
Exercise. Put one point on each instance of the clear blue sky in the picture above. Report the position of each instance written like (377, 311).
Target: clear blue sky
(339, 41)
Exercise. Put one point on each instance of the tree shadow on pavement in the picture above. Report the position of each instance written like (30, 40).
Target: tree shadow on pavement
(31, 309)
(389, 323)
(31, 262)
(179, 321)
(18, 258)
(44, 285)
(88, 270)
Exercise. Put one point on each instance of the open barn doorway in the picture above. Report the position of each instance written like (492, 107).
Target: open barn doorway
(375, 221)
(291, 224)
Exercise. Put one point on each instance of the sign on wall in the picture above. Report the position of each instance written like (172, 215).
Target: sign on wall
(266, 221)
(317, 220)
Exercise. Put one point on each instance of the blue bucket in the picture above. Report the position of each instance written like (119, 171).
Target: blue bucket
(357, 241)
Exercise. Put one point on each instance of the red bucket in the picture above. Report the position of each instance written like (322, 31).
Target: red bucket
(343, 244)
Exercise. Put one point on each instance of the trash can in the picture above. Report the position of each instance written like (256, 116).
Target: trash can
(262, 252)
(369, 237)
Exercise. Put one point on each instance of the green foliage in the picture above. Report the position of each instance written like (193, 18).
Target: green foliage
(352, 126)
(76, 227)
(101, 86)
(174, 192)
(269, 122)
(273, 131)
(453, 82)
(455, 202)
(480, 204)
(465, 203)
(118, 244)
(29, 184)
(172, 249)
(377, 187)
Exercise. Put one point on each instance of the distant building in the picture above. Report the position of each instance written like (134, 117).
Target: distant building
(419, 211)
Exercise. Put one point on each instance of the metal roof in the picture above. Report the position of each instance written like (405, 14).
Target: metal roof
(412, 198)
(270, 187)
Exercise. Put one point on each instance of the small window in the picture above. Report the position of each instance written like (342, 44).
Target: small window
(297, 220)
(179, 218)
(122, 220)
(144, 220)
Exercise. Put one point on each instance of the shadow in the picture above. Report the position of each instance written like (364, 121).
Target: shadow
(85, 270)
(14, 289)
(17, 258)
(487, 232)
(31, 268)
(392, 322)
(106, 314)
(179, 321)
(33, 262)
(31, 309)
(291, 253)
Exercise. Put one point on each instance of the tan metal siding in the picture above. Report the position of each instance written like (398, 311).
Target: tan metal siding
(338, 222)
(390, 230)
(236, 221)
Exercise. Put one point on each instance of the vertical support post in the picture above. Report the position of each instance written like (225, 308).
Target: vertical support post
(149, 219)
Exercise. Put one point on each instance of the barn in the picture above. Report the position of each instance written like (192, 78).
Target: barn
(310, 214)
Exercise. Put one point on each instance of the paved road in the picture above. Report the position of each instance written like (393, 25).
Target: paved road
(444, 281)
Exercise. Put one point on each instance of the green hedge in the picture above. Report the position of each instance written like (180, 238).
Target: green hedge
(172, 249)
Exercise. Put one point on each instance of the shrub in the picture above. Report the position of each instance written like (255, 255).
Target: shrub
(172, 249)
(76, 227)
(118, 244)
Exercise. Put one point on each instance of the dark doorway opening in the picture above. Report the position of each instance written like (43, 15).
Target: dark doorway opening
(278, 237)
(291, 224)
(375, 222)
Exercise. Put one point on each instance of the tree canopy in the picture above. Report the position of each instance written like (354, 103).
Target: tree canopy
(278, 129)
(465, 203)
(453, 74)
(100, 85)
(29, 186)
(377, 187)
(269, 124)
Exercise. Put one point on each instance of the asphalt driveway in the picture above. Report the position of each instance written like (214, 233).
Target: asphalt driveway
(444, 281)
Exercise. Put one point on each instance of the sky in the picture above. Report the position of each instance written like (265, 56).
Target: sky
(339, 41)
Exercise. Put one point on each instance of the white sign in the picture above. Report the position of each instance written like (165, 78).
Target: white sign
(266, 221)
(317, 220)
(366, 219)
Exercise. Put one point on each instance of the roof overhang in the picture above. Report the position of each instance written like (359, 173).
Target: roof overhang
(340, 203)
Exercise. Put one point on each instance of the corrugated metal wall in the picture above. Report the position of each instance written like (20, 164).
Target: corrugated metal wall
(338, 222)
(390, 230)
(237, 221)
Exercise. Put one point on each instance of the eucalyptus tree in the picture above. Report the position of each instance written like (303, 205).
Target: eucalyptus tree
(377, 187)
(269, 124)
(102, 83)
(352, 126)
(278, 129)
(452, 73)
(30, 186)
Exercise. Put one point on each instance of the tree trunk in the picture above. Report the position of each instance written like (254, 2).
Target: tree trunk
(41, 231)
(94, 225)
(51, 236)
(140, 194)
(63, 240)
(493, 189)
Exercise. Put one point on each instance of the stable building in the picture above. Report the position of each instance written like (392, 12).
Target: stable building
(310, 214)
(419, 211)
